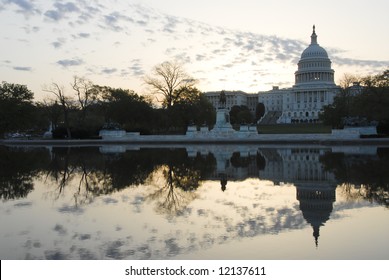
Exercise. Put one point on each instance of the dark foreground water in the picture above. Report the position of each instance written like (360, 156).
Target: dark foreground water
(197, 202)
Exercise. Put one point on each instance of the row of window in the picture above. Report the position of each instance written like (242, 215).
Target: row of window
(304, 65)
(303, 114)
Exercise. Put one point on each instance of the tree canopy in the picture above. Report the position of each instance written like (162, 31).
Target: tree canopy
(240, 115)
(16, 107)
(371, 104)
(169, 79)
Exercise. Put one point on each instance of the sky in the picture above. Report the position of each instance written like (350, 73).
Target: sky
(248, 45)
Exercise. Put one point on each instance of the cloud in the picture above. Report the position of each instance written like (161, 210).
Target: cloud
(137, 70)
(59, 43)
(359, 62)
(109, 70)
(81, 35)
(31, 29)
(54, 15)
(22, 68)
(70, 62)
(27, 8)
(171, 24)
(113, 21)
(61, 10)
(141, 23)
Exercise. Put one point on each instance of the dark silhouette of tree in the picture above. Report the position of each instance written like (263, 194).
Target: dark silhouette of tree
(16, 107)
(240, 115)
(259, 111)
(192, 108)
(371, 104)
(132, 111)
(86, 93)
(18, 167)
(348, 79)
(167, 79)
(66, 103)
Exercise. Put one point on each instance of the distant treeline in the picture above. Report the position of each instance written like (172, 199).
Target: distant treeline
(93, 107)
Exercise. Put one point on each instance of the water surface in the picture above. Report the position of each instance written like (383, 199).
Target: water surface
(194, 202)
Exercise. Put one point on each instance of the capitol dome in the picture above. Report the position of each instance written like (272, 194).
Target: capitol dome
(314, 65)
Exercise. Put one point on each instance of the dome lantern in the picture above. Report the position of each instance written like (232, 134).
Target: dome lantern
(313, 37)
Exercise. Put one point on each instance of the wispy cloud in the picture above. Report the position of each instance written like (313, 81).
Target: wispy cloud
(24, 7)
(70, 62)
(31, 29)
(61, 10)
(136, 69)
(359, 62)
(171, 24)
(59, 43)
(109, 70)
(22, 68)
(135, 31)
(116, 21)
(82, 35)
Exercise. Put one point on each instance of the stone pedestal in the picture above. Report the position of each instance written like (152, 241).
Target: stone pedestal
(222, 121)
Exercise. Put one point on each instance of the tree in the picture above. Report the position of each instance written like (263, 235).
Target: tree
(16, 107)
(370, 105)
(64, 101)
(167, 79)
(259, 111)
(348, 79)
(128, 109)
(333, 114)
(240, 115)
(86, 93)
(193, 107)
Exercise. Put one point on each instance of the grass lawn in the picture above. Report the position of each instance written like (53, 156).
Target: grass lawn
(293, 128)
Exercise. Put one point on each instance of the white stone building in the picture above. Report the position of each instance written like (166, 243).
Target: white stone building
(314, 88)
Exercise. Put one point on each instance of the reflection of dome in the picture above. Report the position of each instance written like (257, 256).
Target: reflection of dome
(316, 206)
(314, 65)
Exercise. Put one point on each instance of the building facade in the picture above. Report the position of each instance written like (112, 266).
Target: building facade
(314, 88)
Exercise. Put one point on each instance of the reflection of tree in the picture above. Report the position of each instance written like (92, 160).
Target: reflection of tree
(86, 173)
(362, 176)
(238, 161)
(177, 189)
(84, 170)
(18, 167)
(59, 169)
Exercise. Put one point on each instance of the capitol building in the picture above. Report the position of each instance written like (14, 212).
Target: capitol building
(314, 88)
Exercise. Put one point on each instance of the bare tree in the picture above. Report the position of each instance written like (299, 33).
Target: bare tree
(167, 79)
(348, 79)
(86, 94)
(63, 100)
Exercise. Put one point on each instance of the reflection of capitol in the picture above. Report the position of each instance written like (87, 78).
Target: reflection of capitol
(315, 187)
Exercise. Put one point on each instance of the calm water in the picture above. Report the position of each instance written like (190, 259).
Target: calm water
(197, 202)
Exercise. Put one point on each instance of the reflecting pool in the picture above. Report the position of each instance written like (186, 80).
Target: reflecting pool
(194, 202)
